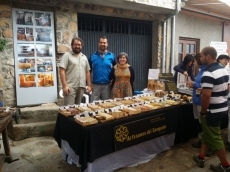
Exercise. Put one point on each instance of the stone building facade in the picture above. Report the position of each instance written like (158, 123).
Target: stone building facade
(66, 26)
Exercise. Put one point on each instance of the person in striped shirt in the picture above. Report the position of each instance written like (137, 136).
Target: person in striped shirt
(214, 83)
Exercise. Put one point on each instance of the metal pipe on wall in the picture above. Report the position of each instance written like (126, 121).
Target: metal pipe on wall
(172, 43)
(163, 47)
(164, 36)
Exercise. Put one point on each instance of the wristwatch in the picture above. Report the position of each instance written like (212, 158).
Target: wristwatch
(203, 113)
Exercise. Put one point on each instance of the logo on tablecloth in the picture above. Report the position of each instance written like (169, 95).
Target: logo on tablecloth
(137, 131)
(121, 133)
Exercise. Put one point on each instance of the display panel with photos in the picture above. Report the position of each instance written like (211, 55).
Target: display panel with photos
(44, 50)
(34, 50)
(27, 80)
(45, 80)
(42, 19)
(44, 65)
(24, 18)
(43, 34)
(25, 34)
(26, 65)
(25, 50)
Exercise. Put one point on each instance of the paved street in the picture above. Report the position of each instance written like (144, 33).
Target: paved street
(41, 154)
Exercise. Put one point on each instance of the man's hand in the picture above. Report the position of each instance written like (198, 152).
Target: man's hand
(89, 89)
(185, 74)
(66, 90)
(190, 84)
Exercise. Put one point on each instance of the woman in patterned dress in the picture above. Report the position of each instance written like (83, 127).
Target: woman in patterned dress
(122, 77)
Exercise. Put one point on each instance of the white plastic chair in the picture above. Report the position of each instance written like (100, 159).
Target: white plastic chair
(84, 95)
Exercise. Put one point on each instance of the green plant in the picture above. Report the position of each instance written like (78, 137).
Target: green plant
(3, 43)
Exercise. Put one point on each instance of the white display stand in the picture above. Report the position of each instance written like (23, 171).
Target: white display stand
(35, 57)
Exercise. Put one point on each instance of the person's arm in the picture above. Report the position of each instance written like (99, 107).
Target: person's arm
(132, 78)
(89, 83)
(90, 63)
(207, 81)
(205, 99)
(65, 87)
(178, 67)
(112, 77)
(114, 61)
(190, 73)
(196, 85)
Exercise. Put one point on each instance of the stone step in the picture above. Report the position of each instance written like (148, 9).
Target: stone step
(43, 113)
(23, 131)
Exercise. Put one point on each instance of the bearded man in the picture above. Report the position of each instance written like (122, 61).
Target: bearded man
(214, 83)
(74, 71)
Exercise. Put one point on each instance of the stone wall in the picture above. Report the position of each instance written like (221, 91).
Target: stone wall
(66, 29)
(7, 56)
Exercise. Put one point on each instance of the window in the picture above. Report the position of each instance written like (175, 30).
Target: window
(188, 46)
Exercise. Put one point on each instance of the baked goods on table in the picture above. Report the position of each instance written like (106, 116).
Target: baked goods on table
(104, 117)
(106, 105)
(84, 108)
(103, 111)
(95, 107)
(158, 105)
(69, 111)
(131, 111)
(127, 102)
(149, 98)
(137, 100)
(85, 121)
(171, 102)
(117, 103)
(117, 114)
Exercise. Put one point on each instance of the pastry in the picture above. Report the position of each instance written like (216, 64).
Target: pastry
(84, 108)
(118, 114)
(104, 117)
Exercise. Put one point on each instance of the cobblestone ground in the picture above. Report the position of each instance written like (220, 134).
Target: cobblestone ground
(41, 154)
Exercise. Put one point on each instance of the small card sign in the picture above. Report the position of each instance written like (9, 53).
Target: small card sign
(168, 79)
(153, 74)
(181, 81)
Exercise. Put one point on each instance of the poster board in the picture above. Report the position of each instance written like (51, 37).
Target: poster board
(221, 47)
(35, 61)
(168, 79)
(181, 81)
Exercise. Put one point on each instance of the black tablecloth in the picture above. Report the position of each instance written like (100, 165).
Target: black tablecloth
(95, 141)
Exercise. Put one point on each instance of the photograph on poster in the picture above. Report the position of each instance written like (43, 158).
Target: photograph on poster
(27, 80)
(44, 50)
(25, 50)
(43, 35)
(42, 19)
(1, 98)
(44, 65)
(45, 80)
(24, 18)
(26, 65)
(25, 34)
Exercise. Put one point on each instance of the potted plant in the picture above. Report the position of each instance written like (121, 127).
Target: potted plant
(3, 43)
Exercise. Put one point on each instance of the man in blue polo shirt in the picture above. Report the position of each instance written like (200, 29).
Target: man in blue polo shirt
(214, 83)
(101, 63)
